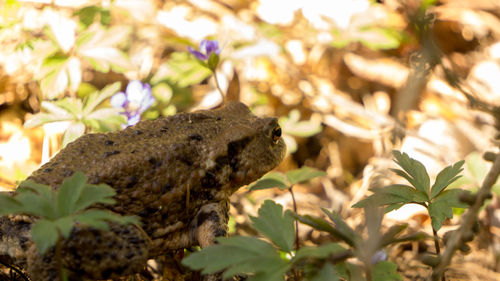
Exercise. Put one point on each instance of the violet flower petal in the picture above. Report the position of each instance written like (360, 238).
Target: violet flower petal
(197, 54)
(118, 100)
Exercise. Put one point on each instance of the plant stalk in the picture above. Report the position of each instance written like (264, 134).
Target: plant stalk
(217, 85)
(297, 245)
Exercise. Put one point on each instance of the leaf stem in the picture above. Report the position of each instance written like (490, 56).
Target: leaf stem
(217, 85)
(297, 244)
(436, 241)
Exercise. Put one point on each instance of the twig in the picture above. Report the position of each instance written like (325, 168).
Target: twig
(468, 220)
(15, 269)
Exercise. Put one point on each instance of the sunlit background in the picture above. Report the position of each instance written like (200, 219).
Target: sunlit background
(351, 80)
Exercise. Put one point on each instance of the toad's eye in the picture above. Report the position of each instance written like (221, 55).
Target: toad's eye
(276, 134)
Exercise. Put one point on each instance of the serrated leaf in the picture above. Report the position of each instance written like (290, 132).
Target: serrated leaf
(326, 273)
(319, 252)
(69, 193)
(74, 131)
(36, 199)
(64, 225)
(71, 105)
(99, 218)
(97, 98)
(447, 176)
(92, 194)
(42, 118)
(247, 254)
(385, 271)
(393, 194)
(103, 113)
(414, 171)
(389, 236)
(303, 174)
(441, 207)
(340, 224)
(270, 180)
(275, 225)
(322, 225)
(9, 205)
(44, 234)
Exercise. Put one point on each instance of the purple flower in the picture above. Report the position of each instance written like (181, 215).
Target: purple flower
(207, 47)
(136, 99)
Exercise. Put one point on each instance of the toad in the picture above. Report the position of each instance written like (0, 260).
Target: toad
(175, 173)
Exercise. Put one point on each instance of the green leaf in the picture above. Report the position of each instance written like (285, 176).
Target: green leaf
(42, 118)
(74, 131)
(303, 174)
(415, 171)
(447, 176)
(99, 218)
(339, 223)
(71, 105)
(36, 199)
(9, 205)
(69, 193)
(318, 252)
(389, 236)
(441, 207)
(275, 225)
(385, 271)
(92, 194)
(326, 273)
(238, 254)
(270, 180)
(391, 195)
(104, 114)
(44, 234)
(64, 225)
(185, 70)
(94, 99)
(322, 225)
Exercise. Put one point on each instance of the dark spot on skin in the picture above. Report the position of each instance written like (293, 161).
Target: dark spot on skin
(48, 170)
(94, 180)
(136, 132)
(166, 188)
(195, 137)
(222, 161)
(205, 195)
(133, 151)
(22, 241)
(209, 180)
(129, 255)
(146, 212)
(220, 232)
(109, 153)
(107, 273)
(109, 142)
(67, 173)
(233, 149)
(131, 181)
(164, 129)
(96, 257)
(155, 163)
(218, 118)
(210, 216)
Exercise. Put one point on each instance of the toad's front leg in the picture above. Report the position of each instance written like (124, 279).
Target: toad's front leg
(94, 254)
(210, 223)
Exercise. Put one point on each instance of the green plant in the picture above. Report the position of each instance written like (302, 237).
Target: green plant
(438, 200)
(82, 113)
(58, 210)
(278, 258)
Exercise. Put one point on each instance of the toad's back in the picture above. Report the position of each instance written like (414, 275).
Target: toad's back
(153, 164)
